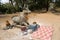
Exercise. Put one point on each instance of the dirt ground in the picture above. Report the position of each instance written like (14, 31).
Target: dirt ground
(41, 18)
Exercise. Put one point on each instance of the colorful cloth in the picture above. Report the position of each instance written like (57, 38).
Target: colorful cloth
(33, 27)
(43, 33)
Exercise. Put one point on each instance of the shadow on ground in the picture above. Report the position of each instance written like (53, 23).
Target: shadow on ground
(40, 11)
(56, 12)
(3, 16)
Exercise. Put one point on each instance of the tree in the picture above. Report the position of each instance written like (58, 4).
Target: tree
(11, 2)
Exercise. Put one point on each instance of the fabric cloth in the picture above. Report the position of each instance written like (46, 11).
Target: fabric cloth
(23, 28)
(43, 33)
(33, 27)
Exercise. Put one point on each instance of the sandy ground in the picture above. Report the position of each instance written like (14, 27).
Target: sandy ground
(41, 18)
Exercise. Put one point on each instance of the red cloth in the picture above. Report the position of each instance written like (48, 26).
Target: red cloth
(43, 33)
(23, 28)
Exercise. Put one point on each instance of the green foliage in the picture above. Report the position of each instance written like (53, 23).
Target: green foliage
(7, 8)
(38, 4)
(33, 5)
(2, 9)
(58, 3)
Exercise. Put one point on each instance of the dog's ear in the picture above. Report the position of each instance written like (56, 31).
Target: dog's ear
(7, 22)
